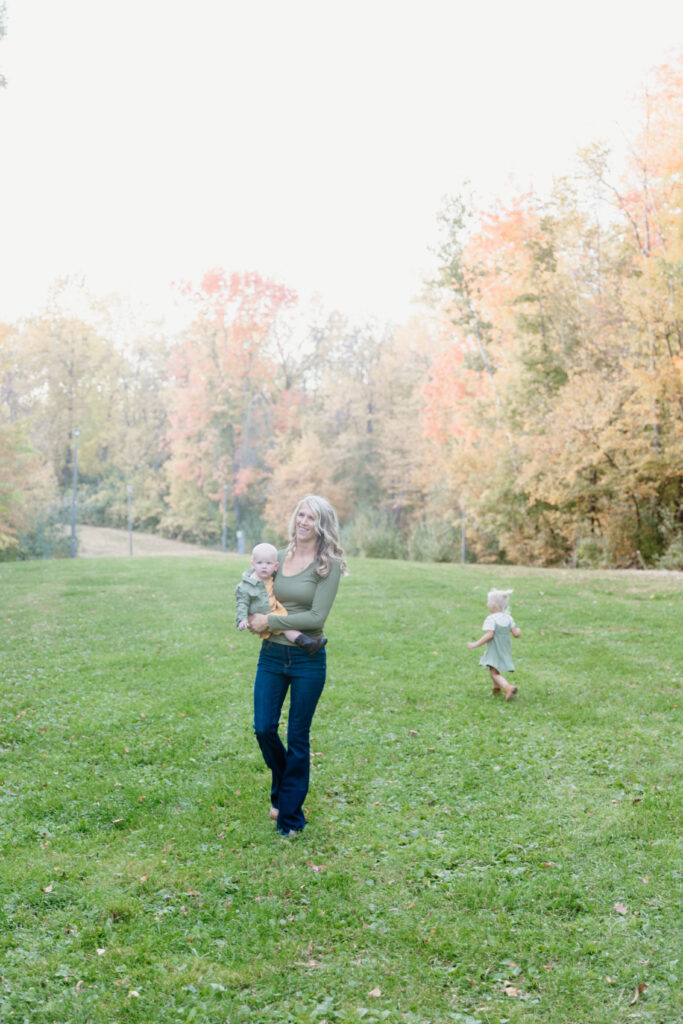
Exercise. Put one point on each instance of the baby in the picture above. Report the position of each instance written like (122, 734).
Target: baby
(255, 594)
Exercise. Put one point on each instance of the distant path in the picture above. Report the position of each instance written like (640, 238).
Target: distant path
(104, 542)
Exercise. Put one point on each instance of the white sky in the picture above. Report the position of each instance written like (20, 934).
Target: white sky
(147, 141)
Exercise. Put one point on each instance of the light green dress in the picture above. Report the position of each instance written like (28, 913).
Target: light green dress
(498, 652)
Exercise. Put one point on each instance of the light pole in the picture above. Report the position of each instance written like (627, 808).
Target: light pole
(74, 498)
(225, 519)
(130, 521)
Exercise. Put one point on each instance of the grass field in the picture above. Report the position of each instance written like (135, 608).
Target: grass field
(465, 860)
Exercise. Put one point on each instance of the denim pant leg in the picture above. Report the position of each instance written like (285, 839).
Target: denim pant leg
(305, 676)
(270, 689)
(308, 680)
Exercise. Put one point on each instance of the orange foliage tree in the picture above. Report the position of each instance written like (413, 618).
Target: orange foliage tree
(570, 445)
(229, 389)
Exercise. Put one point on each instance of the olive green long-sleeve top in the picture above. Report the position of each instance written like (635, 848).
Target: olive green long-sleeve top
(307, 598)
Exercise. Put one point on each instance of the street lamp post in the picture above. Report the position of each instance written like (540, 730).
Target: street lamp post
(130, 521)
(74, 497)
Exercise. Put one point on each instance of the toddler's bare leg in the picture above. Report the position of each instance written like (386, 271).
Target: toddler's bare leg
(292, 634)
(495, 689)
(502, 683)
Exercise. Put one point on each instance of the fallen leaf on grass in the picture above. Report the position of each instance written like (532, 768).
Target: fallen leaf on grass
(621, 908)
(376, 992)
(548, 864)
(48, 888)
(315, 867)
(79, 986)
(639, 991)
(610, 981)
(511, 991)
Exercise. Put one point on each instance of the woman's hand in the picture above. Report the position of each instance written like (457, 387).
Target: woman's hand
(258, 623)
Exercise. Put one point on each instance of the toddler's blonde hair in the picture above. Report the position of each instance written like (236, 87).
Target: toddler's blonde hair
(264, 550)
(499, 599)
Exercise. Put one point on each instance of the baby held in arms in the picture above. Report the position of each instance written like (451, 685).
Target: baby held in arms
(254, 593)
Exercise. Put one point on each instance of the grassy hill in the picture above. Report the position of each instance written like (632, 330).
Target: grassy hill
(465, 860)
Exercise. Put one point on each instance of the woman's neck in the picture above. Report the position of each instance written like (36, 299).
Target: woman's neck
(305, 551)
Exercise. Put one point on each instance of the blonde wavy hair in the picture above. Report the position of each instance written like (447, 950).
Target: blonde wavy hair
(328, 549)
(500, 599)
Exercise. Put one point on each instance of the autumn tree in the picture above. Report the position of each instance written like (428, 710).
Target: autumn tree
(357, 436)
(569, 319)
(229, 384)
(26, 482)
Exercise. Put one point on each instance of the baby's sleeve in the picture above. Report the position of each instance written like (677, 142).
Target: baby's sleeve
(242, 602)
(489, 623)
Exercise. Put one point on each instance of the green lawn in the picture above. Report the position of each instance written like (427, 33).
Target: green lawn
(465, 860)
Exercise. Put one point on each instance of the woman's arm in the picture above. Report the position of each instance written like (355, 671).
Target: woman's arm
(488, 635)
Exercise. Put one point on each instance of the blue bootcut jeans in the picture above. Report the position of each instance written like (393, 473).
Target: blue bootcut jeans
(281, 668)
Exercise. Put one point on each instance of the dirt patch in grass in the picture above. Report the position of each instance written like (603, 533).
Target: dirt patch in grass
(104, 542)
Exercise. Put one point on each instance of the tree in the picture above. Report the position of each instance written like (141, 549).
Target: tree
(26, 485)
(226, 391)
(566, 342)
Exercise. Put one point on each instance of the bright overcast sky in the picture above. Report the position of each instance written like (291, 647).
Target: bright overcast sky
(147, 141)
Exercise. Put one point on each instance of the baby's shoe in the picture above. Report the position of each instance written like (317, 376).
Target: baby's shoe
(311, 645)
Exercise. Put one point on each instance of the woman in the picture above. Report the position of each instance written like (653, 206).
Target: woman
(306, 583)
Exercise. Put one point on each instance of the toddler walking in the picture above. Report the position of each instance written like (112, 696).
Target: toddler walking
(254, 593)
(498, 625)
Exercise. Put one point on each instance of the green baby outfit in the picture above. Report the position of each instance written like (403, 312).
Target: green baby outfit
(498, 652)
(250, 596)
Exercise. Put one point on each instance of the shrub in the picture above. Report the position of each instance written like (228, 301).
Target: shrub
(590, 553)
(435, 542)
(673, 556)
(45, 537)
(372, 533)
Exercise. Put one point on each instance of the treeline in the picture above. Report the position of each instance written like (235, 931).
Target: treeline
(537, 404)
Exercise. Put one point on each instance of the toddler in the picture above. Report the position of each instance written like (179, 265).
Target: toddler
(255, 594)
(498, 625)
